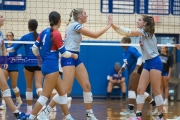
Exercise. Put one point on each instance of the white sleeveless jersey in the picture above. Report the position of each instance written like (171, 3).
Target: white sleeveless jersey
(148, 45)
(73, 37)
(1, 43)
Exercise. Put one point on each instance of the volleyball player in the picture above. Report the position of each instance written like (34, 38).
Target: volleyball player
(134, 64)
(153, 65)
(6, 92)
(12, 72)
(166, 72)
(47, 48)
(30, 69)
(72, 40)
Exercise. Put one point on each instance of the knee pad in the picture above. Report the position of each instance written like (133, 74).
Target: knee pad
(38, 90)
(140, 99)
(29, 96)
(42, 100)
(16, 90)
(54, 91)
(146, 95)
(87, 97)
(131, 94)
(6, 93)
(60, 99)
(158, 100)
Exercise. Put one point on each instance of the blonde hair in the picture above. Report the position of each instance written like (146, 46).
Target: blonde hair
(75, 13)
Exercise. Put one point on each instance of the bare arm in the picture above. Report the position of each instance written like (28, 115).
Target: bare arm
(96, 34)
(4, 53)
(126, 31)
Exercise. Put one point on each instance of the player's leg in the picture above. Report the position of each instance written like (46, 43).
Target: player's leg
(6, 74)
(155, 77)
(109, 89)
(6, 93)
(14, 78)
(29, 72)
(165, 89)
(83, 79)
(133, 84)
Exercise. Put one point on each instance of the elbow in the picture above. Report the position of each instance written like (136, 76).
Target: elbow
(67, 54)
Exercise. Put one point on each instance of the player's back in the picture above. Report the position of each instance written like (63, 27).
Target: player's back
(47, 49)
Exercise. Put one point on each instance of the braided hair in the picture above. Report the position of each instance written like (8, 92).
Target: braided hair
(54, 18)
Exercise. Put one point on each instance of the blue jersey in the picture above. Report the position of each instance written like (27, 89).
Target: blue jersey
(28, 47)
(12, 54)
(49, 49)
(130, 56)
(115, 76)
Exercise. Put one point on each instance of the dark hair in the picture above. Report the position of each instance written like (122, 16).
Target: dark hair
(75, 13)
(150, 24)
(167, 51)
(126, 39)
(54, 18)
(32, 25)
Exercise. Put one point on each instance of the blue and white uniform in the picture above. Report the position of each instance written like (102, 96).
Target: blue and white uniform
(49, 50)
(12, 67)
(72, 42)
(130, 57)
(150, 51)
(1, 45)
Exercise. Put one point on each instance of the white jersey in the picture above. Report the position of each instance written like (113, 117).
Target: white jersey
(148, 45)
(1, 43)
(73, 37)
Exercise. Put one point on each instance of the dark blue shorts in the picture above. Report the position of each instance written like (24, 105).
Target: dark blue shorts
(70, 61)
(164, 73)
(49, 66)
(154, 63)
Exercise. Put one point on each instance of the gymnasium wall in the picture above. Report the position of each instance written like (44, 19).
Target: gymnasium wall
(16, 21)
(99, 61)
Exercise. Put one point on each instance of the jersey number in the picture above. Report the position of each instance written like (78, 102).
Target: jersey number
(44, 38)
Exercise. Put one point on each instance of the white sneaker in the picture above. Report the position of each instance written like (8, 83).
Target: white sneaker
(128, 112)
(54, 109)
(90, 116)
(43, 115)
(165, 102)
(154, 112)
(69, 99)
(3, 107)
(18, 104)
(52, 115)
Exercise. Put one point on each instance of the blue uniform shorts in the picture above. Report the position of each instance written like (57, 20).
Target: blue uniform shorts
(49, 66)
(164, 73)
(154, 63)
(70, 61)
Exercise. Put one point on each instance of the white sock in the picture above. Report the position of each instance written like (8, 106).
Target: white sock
(32, 117)
(16, 111)
(48, 108)
(68, 117)
(138, 112)
(89, 111)
(3, 102)
(29, 107)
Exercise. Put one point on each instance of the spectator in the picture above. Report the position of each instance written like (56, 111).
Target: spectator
(115, 79)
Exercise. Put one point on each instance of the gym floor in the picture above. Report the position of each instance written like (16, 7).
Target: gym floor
(103, 110)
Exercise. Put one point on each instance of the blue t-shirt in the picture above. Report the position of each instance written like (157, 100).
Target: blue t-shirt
(130, 56)
(28, 47)
(12, 54)
(115, 76)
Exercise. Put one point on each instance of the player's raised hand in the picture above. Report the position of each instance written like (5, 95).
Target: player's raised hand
(110, 20)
